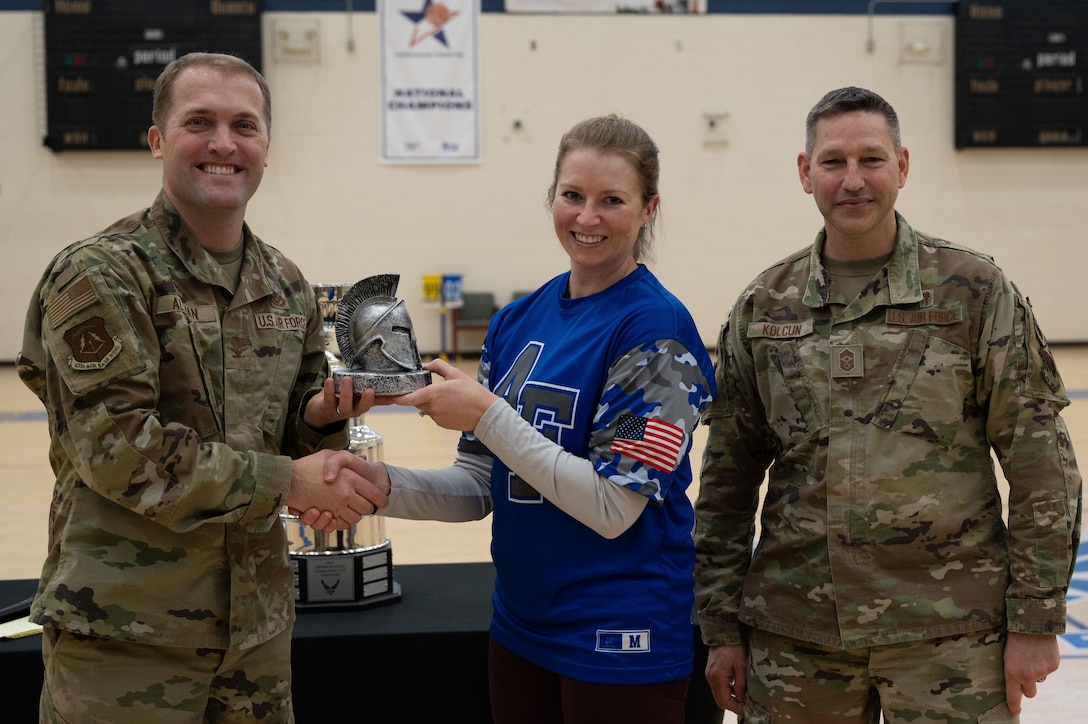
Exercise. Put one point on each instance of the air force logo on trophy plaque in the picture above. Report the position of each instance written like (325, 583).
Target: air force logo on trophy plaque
(377, 341)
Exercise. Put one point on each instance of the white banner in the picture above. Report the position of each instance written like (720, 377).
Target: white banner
(430, 81)
(600, 7)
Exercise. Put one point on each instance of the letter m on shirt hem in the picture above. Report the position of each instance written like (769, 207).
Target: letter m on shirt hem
(623, 642)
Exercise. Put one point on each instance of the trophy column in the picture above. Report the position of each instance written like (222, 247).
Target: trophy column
(351, 568)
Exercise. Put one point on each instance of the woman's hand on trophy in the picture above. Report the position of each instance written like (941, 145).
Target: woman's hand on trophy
(456, 403)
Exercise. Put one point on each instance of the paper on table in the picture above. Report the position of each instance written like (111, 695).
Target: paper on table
(18, 628)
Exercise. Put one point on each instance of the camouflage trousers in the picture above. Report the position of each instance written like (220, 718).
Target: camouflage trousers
(952, 679)
(102, 680)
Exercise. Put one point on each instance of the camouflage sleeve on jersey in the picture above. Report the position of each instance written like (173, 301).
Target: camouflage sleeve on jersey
(739, 449)
(649, 407)
(1033, 446)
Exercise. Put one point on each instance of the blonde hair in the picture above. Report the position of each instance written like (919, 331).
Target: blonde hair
(615, 136)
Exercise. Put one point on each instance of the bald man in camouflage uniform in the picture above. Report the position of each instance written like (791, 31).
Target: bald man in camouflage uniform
(873, 374)
(182, 364)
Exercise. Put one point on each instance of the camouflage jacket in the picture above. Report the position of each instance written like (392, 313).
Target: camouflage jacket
(882, 520)
(174, 412)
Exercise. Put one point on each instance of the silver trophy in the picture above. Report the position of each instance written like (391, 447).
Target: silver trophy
(377, 349)
(376, 340)
(329, 297)
(347, 569)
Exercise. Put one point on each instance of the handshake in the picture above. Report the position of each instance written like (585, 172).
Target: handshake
(333, 489)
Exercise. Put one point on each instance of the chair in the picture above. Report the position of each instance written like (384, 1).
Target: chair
(474, 314)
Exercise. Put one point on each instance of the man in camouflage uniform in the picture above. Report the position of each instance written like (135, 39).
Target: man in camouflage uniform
(182, 364)
(873, 373)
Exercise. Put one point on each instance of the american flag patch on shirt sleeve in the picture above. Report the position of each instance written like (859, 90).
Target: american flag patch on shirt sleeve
(654, 442)
(71, 300)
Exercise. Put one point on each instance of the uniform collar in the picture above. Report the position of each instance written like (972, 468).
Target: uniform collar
(903, 284)
(179, 237)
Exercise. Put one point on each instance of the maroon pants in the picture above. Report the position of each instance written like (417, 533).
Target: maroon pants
(524, 693)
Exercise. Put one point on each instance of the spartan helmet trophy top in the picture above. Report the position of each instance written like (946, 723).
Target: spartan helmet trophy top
(376, 339)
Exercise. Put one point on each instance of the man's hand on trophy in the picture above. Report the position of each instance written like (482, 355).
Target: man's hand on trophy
(336, 404)
(330, 488)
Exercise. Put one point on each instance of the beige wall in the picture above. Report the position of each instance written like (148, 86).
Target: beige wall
(732, 203)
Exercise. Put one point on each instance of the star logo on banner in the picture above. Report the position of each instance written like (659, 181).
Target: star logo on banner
(436, 16)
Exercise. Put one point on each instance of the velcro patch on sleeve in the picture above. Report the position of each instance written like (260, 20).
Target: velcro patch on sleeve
(73, 299)
(93, 346)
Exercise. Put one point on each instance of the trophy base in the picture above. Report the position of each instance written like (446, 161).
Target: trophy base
(384, 384)
(345, 579)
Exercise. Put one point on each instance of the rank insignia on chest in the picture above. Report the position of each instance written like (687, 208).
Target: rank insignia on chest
(847, 360)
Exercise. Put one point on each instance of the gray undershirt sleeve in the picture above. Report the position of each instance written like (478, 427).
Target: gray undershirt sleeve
(455, 494)
(567, 481)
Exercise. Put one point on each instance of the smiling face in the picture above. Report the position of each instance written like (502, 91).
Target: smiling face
(213, 143)
(598, 212)
(854, 174)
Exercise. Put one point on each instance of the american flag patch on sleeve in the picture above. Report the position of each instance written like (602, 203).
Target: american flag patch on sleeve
(654, 442)
(76, 297)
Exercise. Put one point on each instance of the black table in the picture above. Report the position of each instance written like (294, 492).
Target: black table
(423, 658)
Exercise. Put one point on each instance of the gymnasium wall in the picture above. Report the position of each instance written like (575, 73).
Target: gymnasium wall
(731, 200)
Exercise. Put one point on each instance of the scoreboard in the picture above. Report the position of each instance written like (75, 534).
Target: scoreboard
(1020, 73)
(102, 58)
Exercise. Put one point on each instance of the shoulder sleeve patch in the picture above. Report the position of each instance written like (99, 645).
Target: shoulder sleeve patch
(92, 345)
(90, 335)
(1042, 376)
